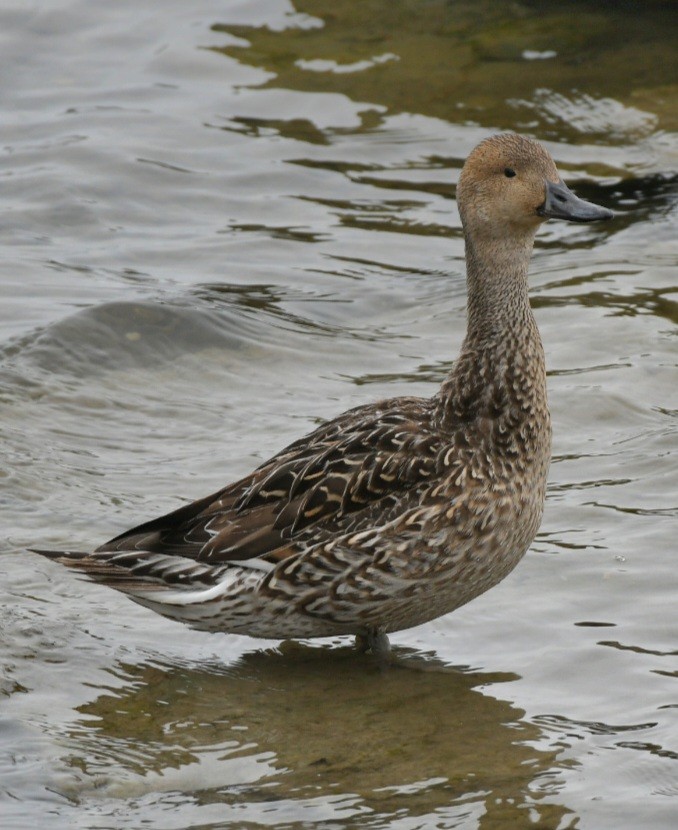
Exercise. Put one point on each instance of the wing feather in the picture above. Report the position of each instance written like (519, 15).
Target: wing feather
(335, 480)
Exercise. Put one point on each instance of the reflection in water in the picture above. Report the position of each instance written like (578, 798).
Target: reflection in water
(515, 65)
(655, 301)
(417, 738)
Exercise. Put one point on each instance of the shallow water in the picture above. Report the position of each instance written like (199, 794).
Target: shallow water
(225, 221)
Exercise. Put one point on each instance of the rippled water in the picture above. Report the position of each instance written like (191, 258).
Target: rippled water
(224, 221)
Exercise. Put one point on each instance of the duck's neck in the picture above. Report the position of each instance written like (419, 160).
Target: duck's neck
(498, 302)
(500, 370)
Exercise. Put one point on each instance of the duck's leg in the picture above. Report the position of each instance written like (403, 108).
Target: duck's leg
(373, 640)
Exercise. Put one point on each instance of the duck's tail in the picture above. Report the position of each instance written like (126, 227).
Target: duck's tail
(133, 571)
(173, 586)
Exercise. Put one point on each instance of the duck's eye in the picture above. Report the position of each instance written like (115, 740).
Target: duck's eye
(509, 172)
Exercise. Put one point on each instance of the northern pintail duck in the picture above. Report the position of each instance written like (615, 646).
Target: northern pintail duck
(394, 512)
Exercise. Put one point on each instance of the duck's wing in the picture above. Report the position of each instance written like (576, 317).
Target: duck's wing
(351, 474)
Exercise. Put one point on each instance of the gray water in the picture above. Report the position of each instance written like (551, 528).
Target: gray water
(222, 222)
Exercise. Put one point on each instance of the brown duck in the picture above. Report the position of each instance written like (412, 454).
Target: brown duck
(395, 512)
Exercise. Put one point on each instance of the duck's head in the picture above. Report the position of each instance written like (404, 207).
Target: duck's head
(510, 185)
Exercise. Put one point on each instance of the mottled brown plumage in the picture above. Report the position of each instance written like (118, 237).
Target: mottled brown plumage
(396, 512)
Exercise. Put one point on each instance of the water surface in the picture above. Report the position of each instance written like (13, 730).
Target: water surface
(225, 221)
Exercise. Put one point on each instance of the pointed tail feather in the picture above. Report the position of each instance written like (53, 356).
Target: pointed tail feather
(136, 571)
(173, 586)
